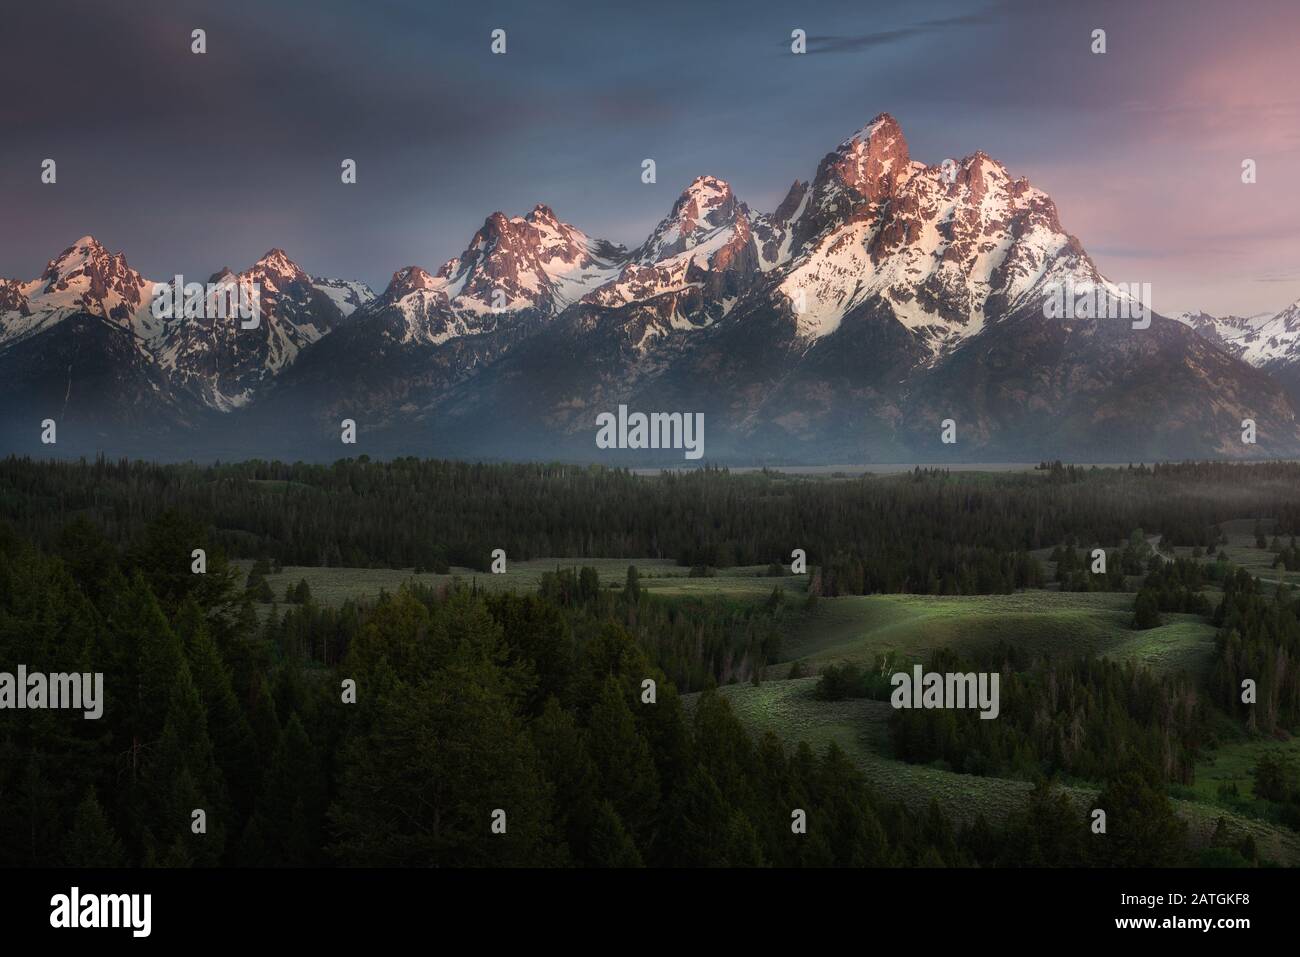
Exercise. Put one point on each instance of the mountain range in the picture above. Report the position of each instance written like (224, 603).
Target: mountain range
(882, 297)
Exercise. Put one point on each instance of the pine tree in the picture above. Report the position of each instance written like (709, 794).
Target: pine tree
(562, 747)
(91, 841)
(702, 817)
(1142, 829)
(611, 845)
(181, 776)
(1146, 610)
(437, 753)
(622, 758)
(232, 738)
(291, 807)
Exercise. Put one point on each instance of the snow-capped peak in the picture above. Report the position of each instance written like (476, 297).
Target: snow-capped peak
(942, 246)
(85, 277)
(348, 295)
(704, 207)
(81, 250)
(1265, 339)
(409, 280)
(702, 253)
(277, 271)
(534, 262)
(89, 259)
(870, 162)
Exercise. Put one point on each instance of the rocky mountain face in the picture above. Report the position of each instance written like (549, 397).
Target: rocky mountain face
(881, 299)
(225, 365)
(84, 345)
(84, 278)
(1266, 341)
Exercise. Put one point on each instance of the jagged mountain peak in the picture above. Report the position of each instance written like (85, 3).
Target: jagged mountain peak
(866, 170)
(706, 190)
(543, 214)
(1266, 339)
(225, 362)
(870, 163)
(945, 247)
(277, 271)
(82, 248)
(695, 264)
(535, 262)
(275, 256)
(87, 256)
(882, 124)
(408, 280)
(704, 207)
(788, 206)
(86, 277)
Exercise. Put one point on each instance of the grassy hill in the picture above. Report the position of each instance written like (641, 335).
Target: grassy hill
(857, 629)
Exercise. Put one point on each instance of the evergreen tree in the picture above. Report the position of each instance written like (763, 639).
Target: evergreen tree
(1142, 829)
(91, 841)
(1146, 610)
(180, 776)
(291, 807)
(622, 759)
(232, 738)
(611, 845)
(562, 747)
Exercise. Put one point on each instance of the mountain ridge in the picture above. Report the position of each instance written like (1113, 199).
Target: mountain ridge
(881, 297)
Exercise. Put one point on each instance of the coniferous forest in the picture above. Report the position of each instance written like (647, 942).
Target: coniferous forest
(595, 718)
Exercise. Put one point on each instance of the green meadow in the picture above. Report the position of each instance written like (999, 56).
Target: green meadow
(857, 629)
(334, 586)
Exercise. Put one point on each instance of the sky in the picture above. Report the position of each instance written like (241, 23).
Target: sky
(187, 163)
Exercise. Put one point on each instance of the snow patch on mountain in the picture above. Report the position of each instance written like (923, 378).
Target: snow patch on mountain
(705, 244)
(1263, 340)
(533, 262)
(84, 278)
(944, 248)
(346, 294)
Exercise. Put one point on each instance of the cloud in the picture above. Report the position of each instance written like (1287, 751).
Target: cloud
(868, 41)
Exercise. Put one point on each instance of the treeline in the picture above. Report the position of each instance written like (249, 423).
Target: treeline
(698, 642)
(1258, 642)
(1276, 781)
(927, 531)
(1086, 718)
(931, 567)
(1288, 556)
(1175, 586)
